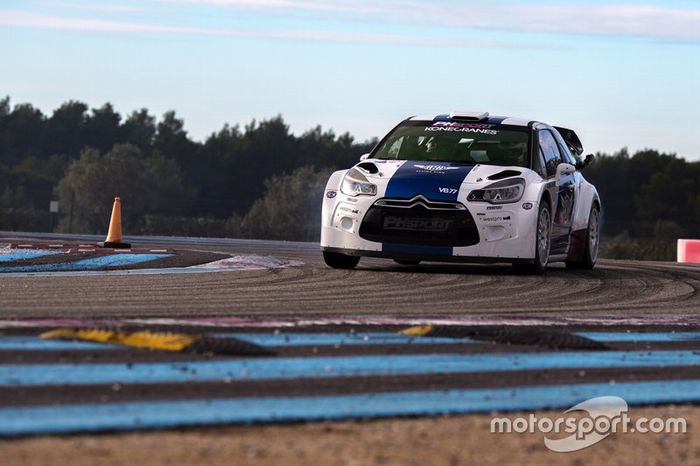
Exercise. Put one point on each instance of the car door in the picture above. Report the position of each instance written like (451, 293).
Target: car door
(575, 177)
(564, 196)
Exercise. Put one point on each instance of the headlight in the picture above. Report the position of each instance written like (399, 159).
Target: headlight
(355, 184)
(503, 192)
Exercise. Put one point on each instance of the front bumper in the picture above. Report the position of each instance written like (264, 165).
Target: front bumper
(427, 257)
(476, 232)
(418, 223)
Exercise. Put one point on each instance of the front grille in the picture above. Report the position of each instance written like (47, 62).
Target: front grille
(419, 221)
(420, 201)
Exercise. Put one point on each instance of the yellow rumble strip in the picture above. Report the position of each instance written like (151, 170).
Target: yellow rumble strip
(160, 341)
(418, 331)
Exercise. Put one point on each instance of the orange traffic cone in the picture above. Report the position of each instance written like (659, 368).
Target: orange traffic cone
(114, 235)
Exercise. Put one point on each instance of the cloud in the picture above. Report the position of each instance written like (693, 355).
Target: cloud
(40, 21)
(608, 19)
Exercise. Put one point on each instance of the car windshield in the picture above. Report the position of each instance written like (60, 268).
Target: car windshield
(463, 142)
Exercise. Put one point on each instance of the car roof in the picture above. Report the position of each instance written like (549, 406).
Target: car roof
(484, 118)
(476, 117)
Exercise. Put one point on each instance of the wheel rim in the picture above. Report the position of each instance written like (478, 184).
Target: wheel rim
(594, 234)
(543, 225)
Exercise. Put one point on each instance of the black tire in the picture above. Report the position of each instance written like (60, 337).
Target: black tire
(406, 262)
(592, 247)
(340, 261)
(543, 238)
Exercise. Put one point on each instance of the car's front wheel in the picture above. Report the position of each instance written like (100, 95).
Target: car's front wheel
(340, 261)
(543, 234)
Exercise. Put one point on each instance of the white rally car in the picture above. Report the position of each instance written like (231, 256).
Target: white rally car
(465, 187)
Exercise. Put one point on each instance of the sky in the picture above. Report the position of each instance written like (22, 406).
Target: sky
(621, 73)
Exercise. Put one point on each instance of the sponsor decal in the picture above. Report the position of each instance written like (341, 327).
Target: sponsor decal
(527, 205)
(479, 128)
(434, 168)
(331, 194)
(457, 124)
(494, 207)
(416, 224)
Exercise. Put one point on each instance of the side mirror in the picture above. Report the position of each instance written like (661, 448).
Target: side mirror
(581, 164)
(564, 169)
(364, 157)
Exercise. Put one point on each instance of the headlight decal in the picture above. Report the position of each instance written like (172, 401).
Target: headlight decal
(356, 184)
(503, 192)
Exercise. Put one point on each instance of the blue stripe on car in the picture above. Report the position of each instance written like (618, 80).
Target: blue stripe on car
(436, 181)
(398, 248)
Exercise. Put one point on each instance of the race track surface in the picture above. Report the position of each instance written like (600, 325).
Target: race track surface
(376, 288)
(287, 339)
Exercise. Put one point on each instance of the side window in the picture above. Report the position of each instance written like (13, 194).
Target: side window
(567, 155)
(550, 150)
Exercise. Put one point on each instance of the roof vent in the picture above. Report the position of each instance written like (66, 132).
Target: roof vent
(469, 116)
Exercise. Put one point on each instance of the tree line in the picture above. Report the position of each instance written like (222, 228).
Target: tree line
(169, 183)
(259, 180)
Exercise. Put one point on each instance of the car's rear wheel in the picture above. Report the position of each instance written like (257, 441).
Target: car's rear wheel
(592, 247)
(543, 234)
(406, 262)
(340, 261)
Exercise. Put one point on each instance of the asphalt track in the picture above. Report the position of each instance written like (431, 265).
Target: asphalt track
(614, 289)
(630, 329)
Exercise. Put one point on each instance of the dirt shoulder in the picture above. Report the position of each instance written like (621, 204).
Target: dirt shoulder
(455, 440)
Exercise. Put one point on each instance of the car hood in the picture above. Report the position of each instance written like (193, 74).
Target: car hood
(438, 181)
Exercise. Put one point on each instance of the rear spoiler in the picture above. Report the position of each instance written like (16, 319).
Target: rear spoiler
(571, 140)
